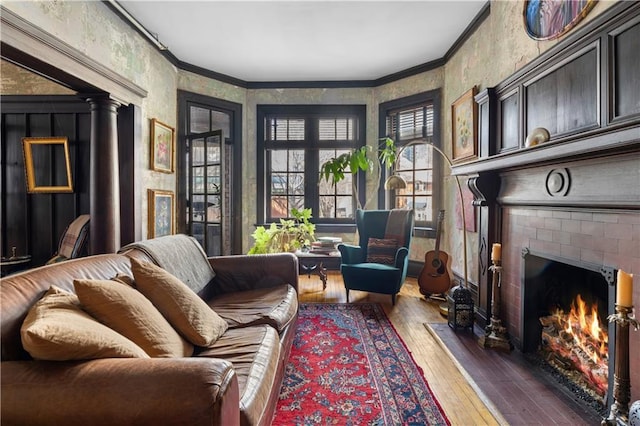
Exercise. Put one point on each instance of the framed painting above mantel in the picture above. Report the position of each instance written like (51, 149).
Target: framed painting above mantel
(464, 121)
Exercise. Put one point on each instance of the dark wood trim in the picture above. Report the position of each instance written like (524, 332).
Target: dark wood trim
(47, 104)
(129, 131)
(603, 182)
(308, 112)
(383, 109)
(236, 188)
(349, 84)
(592, 144)
(212, 74)
(409, 72)
(468, 32)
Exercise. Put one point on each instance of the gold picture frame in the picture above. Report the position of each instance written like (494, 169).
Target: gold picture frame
(464, 122)
(161, 220)
(162, 146)
(47, 165)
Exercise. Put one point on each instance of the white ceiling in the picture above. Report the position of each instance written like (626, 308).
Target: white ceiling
(269, 41)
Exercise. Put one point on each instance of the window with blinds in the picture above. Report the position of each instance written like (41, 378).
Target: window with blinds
(411, 123)
(293, 144)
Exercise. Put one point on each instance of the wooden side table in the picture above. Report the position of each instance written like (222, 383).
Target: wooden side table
(314, 263)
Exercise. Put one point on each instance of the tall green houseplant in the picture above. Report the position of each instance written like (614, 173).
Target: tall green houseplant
(335, 169)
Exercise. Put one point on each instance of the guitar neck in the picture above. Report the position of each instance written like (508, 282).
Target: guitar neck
(439, 231)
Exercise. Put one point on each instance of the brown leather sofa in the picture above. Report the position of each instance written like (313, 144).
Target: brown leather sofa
(237, 381)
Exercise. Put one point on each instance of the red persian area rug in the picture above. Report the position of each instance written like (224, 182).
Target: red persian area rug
(348, 366)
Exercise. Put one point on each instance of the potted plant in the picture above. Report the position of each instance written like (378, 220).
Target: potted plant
(360, 159)
(288, 235)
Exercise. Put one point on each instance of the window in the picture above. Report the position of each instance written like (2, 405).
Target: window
(411, 122)
(294, 141)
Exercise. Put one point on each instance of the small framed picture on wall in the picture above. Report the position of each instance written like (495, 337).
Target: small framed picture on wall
(161, 213)
(162, 146)
(464, 121)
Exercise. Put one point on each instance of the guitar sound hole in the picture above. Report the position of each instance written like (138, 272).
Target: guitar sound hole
(438, 266)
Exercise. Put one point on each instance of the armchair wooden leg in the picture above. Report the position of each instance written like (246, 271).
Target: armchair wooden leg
(393, 299)
(347, 295)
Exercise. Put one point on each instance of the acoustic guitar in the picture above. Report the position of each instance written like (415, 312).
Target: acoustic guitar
(434, 277)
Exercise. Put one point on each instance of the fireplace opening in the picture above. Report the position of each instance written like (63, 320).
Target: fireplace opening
(565, 328)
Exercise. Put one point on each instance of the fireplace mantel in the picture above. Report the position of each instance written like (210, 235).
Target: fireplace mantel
(585, 91)
(577, 195)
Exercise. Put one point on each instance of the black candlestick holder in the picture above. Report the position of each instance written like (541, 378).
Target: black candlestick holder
(496, 336)
(619, 411)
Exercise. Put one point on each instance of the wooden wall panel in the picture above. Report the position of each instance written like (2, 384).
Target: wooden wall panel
(510, 122)
(34, 223)
(627, 72)
(566, 99)
(14, 197)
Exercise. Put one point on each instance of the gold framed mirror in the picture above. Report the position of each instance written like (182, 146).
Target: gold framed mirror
(47, 165)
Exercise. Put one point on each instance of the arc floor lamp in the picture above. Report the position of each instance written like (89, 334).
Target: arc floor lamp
(460, 299)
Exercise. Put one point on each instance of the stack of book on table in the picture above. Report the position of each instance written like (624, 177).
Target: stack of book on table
(325, 245)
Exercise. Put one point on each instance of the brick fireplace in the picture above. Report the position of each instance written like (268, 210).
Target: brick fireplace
(594, 225)
(575, 197)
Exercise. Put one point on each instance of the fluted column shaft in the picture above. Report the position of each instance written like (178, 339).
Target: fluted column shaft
(104, 177)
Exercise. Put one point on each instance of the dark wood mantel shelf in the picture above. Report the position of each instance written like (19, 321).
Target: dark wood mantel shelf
(598, 144)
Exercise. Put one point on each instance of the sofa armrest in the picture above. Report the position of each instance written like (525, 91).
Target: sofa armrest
(250, 272)
(118, 391)
(351, 254)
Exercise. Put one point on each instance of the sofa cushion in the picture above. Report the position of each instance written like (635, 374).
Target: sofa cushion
(57, 329)
(128, 312)
(275, 306)
(184, 309)
(255, 354)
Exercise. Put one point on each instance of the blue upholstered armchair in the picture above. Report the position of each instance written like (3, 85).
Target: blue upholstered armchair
(379, 264)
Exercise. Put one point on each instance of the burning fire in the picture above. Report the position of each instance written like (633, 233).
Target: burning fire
(583, 325)
(576, 340)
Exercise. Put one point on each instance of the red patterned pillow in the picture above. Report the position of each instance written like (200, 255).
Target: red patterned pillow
(382, 250)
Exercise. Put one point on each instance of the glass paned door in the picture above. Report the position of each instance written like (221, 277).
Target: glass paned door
(205, 200)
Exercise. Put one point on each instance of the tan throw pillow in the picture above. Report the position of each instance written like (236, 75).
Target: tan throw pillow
(128, 312)
(57, 329)
(184, 309)
(382, 250)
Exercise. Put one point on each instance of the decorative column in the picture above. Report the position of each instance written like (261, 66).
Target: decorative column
(104, 185)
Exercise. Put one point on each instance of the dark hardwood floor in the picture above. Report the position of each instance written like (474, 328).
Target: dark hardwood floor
(474, 386)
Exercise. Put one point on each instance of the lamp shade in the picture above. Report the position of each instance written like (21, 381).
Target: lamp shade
(395, 182)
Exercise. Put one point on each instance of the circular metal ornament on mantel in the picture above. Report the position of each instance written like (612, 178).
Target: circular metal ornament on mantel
(549, 19)
(558, 182)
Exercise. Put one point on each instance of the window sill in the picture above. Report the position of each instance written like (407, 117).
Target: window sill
(335, 228)
(424, 232)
